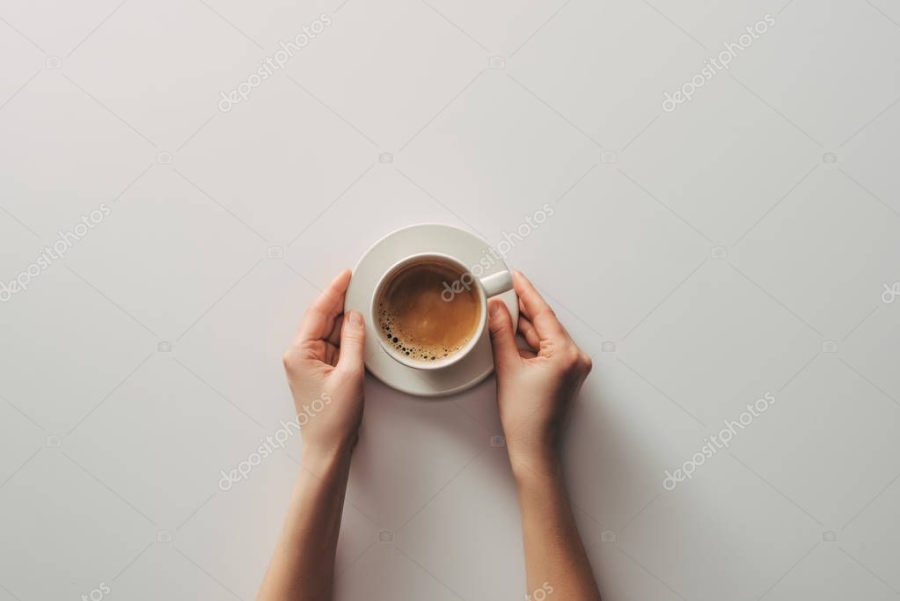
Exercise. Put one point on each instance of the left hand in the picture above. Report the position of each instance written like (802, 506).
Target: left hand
(325, 371)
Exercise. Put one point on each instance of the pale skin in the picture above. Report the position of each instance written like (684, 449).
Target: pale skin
(536, 386)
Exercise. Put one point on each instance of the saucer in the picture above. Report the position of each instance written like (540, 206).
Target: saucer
(465, 247)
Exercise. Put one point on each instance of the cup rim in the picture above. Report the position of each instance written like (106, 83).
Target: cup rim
(461, 353)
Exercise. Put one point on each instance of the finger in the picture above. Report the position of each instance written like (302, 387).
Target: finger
(526, 329)
(537, 310)
(503, 341)
(527, 354)
(334, 337)
(353, 344)
(320, 317)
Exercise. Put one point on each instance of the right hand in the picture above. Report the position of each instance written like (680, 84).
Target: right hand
(535, 386)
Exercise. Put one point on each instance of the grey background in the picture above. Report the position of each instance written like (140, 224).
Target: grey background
(736, 246)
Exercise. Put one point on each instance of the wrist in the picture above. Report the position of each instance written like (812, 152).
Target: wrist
(323, 458)
(534, 464)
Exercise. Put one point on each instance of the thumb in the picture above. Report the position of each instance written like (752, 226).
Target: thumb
(353, 343)
(503, 340)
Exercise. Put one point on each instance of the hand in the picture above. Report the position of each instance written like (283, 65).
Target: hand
(536, 385)
(325, 371)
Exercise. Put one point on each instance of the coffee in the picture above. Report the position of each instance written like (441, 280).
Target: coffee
(418, 318)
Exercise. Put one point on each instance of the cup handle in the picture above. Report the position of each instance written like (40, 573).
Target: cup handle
(497, 283)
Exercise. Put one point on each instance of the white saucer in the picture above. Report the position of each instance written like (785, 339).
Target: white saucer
(467, 248)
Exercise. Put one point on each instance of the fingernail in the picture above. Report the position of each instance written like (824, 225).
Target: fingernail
(356, 320)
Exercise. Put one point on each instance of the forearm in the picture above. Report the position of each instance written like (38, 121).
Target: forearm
(555, 559)
(302, 567)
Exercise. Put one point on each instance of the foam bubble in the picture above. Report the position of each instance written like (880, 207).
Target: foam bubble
(401, 342)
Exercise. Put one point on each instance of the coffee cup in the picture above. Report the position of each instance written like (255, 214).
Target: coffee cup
(430, 311)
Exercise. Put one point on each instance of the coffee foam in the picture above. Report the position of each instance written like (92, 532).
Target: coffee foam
(418, 322)
(400, 340)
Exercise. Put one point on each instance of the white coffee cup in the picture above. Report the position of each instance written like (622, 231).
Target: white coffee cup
(486, 287)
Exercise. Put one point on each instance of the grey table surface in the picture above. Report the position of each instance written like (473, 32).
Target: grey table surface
(725, 195)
